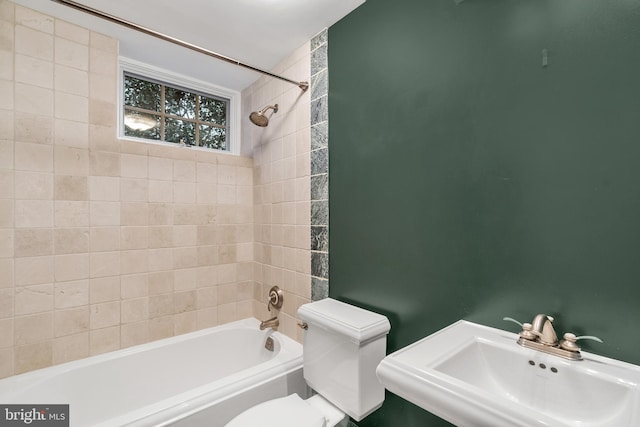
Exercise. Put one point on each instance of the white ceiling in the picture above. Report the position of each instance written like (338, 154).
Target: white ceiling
(260, 33)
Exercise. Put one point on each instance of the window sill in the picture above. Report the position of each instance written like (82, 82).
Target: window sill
(129, 145)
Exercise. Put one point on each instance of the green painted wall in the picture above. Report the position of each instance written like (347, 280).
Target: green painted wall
(469, 181)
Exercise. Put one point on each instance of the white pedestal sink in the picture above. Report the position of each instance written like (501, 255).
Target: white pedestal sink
(476, 376)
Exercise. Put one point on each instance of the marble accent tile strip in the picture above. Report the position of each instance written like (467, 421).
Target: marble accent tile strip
(319, 288)
(320, 212)
(320, 238)
(319, 167)
(320, 136)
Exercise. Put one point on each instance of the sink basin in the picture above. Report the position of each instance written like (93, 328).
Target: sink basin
(477, 376)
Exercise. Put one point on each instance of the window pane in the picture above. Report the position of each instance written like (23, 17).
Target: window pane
(180, 103)
(179, 131)
(141, 93)
(212, 137)
(213, 110)
(141, 125)
(155, 111)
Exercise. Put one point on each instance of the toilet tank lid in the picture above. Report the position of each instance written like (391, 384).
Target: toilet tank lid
(358, 324)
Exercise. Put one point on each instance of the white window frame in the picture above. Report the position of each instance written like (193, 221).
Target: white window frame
(128, 65)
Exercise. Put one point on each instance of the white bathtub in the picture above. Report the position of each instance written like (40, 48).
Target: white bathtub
(199, 379)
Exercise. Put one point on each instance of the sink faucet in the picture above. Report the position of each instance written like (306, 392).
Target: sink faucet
(540, 335)
(542, 327)
(270, 323)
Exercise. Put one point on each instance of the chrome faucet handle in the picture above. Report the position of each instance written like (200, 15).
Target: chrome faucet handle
(569, 341)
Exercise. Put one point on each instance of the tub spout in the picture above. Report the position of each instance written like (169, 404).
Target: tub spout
(271, 323)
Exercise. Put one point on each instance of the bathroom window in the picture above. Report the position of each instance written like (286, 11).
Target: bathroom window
(155, 109)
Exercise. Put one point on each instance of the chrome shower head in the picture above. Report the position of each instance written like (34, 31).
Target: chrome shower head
(259, 118)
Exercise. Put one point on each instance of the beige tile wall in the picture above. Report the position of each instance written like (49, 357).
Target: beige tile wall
(105, 243)
(281, 153)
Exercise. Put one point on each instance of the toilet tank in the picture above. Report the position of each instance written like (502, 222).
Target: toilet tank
(343, 345)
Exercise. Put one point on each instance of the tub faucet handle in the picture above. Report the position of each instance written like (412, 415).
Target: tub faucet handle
(276, 298)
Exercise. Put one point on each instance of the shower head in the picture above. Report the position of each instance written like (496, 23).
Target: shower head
(259, 119)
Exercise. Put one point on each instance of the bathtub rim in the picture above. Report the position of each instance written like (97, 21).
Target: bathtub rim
(249, 322)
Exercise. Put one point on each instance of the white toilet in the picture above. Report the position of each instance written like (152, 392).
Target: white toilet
(342, 347)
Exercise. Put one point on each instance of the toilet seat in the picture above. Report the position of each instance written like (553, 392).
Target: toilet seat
(289, 411)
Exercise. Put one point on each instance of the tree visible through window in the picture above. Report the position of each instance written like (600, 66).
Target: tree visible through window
(157, 111)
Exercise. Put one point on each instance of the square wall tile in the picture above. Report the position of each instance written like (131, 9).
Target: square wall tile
(102, 42)
(33, 185)
(71, 213)
(31, 242)
(71, 294)
(71, 134)
(70, 347)
(33, 328)
(33, 157)
(33, 299)
(71, 81)
(31, 127)
(33, 270)
(104, 213)
(105, 315)
(71, 188)
(104, 264)
(71, 54)
(104, 163)
(71, 240)
(33, 356)
(33, 43)
(33, 213)
(133, 166)
(33, 99)
(70, 31)
(103, 87)
(104, 289)
(71, 267)
(103, 61)
(71, 321)
(104, 340)
(34, 71)
(104, 188)
(69, 106)
(33, 19)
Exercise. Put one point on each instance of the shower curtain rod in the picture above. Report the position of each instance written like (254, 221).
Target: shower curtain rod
(302, 85)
